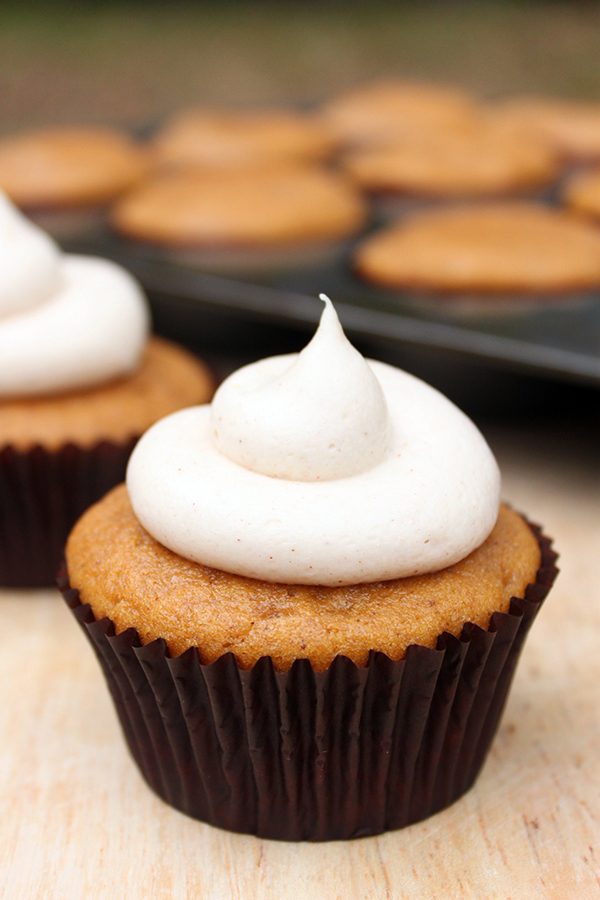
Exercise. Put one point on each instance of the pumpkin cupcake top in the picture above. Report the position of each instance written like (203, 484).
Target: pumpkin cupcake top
(582, 193)
(500, 247)
(571, 127)
(226, 139)
(485, 159)
(246, 207)
(125, 574)
(69, 167)
(384, 112)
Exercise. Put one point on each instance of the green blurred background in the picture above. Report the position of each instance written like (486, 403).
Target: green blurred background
(124, 62)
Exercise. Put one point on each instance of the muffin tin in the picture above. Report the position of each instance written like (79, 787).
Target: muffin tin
(551, 336)
(229, 308)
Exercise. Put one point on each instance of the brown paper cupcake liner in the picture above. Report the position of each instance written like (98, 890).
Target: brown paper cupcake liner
(42, 494)
(305, 755)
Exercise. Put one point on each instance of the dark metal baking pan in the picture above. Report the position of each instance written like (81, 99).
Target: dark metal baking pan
(551, 337)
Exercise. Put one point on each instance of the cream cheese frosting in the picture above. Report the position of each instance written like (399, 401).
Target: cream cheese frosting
(273, 416)
(66, 321)
(318, 468)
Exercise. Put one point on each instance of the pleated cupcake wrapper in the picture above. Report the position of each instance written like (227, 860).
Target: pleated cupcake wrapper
(42, 494)
(306, 755)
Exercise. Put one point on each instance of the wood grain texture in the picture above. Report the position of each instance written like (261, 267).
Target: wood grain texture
(76, 819)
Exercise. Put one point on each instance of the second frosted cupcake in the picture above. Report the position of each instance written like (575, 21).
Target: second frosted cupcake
(80, 381)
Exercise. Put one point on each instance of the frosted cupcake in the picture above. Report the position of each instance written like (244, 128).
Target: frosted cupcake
(80, 381)
(308, 600)
(64, 178)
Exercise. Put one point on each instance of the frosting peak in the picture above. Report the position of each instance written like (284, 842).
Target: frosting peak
(316, 416)
(29, 262)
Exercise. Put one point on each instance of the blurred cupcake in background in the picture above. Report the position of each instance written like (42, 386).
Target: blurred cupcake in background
(572, 127)
(224, 138)
(508, 248)
(384, 112)
(480, 160)
(582, 194)
(64, 178)
(80, 381)
(245, 220)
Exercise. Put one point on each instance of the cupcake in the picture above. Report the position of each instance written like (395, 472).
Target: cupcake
(470, 163)
(65, 178)
(245, 220)
(582, 194)
(308, 601)
(79, 382)
(520, 248)
(384, 112)
(225, 139)
(571, 127)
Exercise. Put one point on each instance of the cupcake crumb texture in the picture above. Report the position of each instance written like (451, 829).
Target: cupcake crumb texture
(123, 573)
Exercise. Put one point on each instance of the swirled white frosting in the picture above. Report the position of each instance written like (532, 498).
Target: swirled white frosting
(66, 322)
(318, 468)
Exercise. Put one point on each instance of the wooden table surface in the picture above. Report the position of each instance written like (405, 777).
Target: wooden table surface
(77, 821)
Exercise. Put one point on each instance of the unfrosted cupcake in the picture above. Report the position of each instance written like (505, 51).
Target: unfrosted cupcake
(64, 178)
(79, 382)
(383, 112)
(225, 139)
(521, 248)
(244, 220)
(572, 127)
(582, 193)
(308, 601)
(478, 162)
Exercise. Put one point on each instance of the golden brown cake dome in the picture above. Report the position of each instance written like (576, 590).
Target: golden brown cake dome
(481, 159)
(383, 112)
(228, 138)
(69, 167)
(582, 193)
(572, 127)
(197, 606)
(283, 204)
(519, 247)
